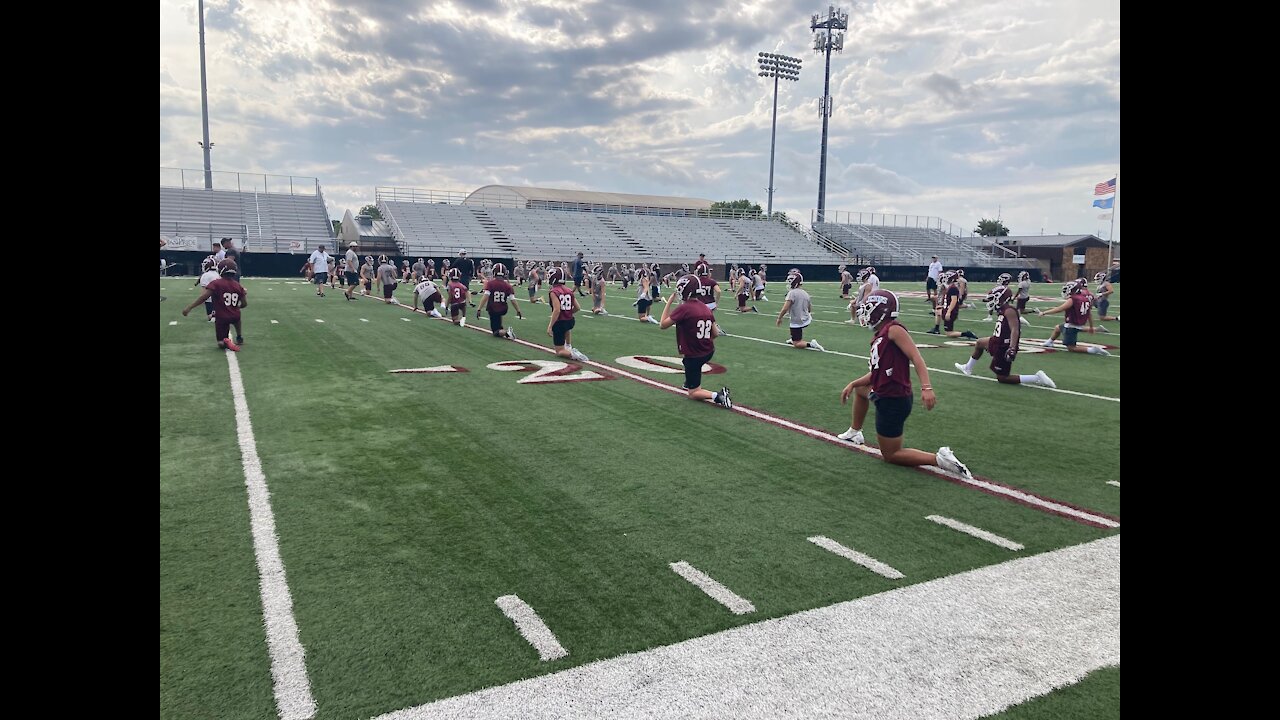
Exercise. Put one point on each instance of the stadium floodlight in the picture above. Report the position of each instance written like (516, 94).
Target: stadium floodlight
(778, 67)
(828, 35)
(204, 109)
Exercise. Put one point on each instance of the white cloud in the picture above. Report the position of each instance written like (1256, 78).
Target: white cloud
(943, 107)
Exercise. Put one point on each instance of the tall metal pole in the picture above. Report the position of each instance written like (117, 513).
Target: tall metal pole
(204, 107)
(773, 139)
(827, 39)
(777, 67)
(1111, 235)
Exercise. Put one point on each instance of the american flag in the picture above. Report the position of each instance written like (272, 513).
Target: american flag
(1105, 188)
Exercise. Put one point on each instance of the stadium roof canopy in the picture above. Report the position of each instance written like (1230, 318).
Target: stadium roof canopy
(1051, 240)
(536, 197)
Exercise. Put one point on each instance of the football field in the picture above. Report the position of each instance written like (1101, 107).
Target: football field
(342, 540)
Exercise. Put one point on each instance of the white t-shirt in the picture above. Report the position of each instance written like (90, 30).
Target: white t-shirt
(935, 269)
(208, 277)
(800, 306)
(425, 289)
(319, 262)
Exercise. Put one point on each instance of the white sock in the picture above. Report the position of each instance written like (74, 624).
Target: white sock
(715, 396)
(1028, 379)
(969, 365)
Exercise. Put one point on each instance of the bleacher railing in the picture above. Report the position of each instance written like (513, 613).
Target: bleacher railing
(845, 217)
(190, 179)
(508, 200)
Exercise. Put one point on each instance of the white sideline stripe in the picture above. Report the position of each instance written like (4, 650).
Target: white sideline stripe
(721, 594)
(531, 627)
(959, 647)
(173, 322)
(932, 369)
(822, 435)
(288, 659)
(319, 320)
(406, 319)
(865, 561)
(1114, 482)
(976, 532)
(363, 320)
(275, 322)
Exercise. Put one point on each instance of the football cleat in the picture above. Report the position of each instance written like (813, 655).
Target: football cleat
(853, 436)
(963, 368)
(948, 461)
(1045, 380)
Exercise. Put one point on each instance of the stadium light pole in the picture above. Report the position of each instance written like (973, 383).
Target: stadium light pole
(204, 108)
(787, 68)
(825, 39)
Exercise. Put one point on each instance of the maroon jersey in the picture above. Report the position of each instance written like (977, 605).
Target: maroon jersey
(890, 367)
(562, 297)
(707, 293)
(457, 293)
(430, 273)
(226, 295)
(499, 291)
(1002, 334)
(947, 310)
(694, 325)
(1078, 313)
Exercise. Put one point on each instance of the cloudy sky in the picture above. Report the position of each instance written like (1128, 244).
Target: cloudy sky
(953, 108)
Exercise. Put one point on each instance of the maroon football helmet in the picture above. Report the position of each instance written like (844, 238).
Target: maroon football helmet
(879, 307)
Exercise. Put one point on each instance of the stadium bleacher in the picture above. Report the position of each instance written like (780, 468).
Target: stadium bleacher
(262, 221)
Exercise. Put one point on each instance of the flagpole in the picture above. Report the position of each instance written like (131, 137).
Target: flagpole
(1112, 234)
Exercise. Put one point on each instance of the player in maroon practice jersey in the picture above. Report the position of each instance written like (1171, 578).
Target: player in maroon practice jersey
(695, 338)
(564, 303)
(888, 385)
(1078, 308)
(497, 293)
(949, 300)
(1003, 343)
(458, 296)
(228, 297)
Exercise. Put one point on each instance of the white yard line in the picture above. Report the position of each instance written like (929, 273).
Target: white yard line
(1114, 482)
(532, 627)
(288, 659)
(707, 584)
(865, 561)
(959, 647)
(976, 532)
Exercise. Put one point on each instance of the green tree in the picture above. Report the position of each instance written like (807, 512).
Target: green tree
(991, 228)
(372, 211)
(743, 206)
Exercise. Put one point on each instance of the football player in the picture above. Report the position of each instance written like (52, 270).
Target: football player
(1078, 308)
(597, 290)
(497, 293)
(459, 296)
(387, 276)
(695, 338)
(643, 299)
(1003, 343)
(745, 283)
(949, 307)
(800, 306)
(563, 304)
(228, 298)
(888, 385)
(427, 291)
(208, 273)
(1102, 298)
(846, 282)
(869, 282)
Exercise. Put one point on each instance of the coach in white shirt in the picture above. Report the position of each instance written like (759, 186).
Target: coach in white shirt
(931, 285)
(320, 269)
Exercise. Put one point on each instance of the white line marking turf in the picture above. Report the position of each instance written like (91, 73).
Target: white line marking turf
(976, 532)
(865, 561)
(288, 659)
(959, 647)
(319, 320)
(721, 594)
(363, 320)
(406, 319)
(532, 627)
(173, 322)
(275, 322)
(1114, 482)
(990, 487)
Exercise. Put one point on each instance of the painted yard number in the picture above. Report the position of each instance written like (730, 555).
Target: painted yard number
(547, 371)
